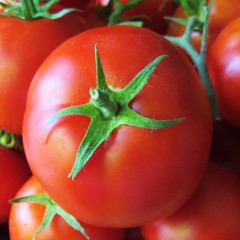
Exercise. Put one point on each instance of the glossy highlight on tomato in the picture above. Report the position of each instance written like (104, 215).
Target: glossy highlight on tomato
(136, 175)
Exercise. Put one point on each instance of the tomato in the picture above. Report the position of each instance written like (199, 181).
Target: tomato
(14, 171)
(212, 213)
(153, 12)
(136, 175)
(90, 14)
(74, 3)
(223, 59)
(223, 12)
(26, 218)
(23, 47)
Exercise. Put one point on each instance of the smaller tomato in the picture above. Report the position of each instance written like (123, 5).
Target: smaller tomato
(222, 13)
(223, 62)
(74, 3)
(153, 12)
(212, 213)
(14, 171)
(21, 55)
(90, 14)
(26, 218)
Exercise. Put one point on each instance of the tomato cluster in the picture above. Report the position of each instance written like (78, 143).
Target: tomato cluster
(108, 130)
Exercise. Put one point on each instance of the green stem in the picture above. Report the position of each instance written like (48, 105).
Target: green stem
(10, 140)
(103, 102)
(116, 15)
(28, 9)
(199, 59)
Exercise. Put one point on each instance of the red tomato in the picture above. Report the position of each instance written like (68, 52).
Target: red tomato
(90, 13)
(223, 12)
(136, 175)
(23, 47)
(154, 12)
(74, 3)
(224, 70)
(26, 218)
(212, 213)
(14, 171)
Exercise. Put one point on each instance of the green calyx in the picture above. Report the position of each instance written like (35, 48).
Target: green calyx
(33, 9)
(10, 140)
(52, 209)
(108, 110)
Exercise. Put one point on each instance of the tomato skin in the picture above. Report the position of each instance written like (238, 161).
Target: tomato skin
(74, 3)
(14, 171)
(90, 13)
(26, 218)
(154, 10)
(212, 213)
(118, 186)
(223, 12)
(223, 59)
(23, 47)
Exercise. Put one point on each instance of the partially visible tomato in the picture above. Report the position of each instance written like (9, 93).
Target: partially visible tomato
(90, 14)
(74, 3)
(153, 12)
(136, 175)
(23, 47)
(223, 62)
(223, 12)
(212, 213)
(26, 218)
(14, 171)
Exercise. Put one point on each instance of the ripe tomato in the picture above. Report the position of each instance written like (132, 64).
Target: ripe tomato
(90, 14)
(23, 47)
(74, 3)
(153, 11)
(136, 175)
(223, 12)
(212, 213)
(223, 59)
(26, 218)
(14, 171)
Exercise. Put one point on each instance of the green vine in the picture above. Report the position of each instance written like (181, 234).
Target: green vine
(33, 9)
(108, 110)
(199, 59)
